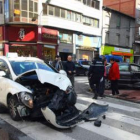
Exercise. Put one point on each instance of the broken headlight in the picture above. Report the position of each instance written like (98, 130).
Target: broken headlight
(26, 99)
(69, 89)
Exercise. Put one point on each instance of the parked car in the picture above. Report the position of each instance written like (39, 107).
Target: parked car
(29, 87)
(129, 75)
(84, 63)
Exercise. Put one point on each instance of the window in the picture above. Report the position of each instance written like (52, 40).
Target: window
(97, 5)
(44, 9)
(1, 7)
(135, 68)
(88, 2)
(72, 16)
(92, 3)
(69, 15)
(31, 6)
(24, 5)
(107, 37)
(127, 41)
(51, 10)
(85, 2)
(96, 23)
(24, 14)
(118, 22)
(124, 67)
(117, 39)
(63, 14)
(107, 20)
(36, 7)
(66, 38)
(17, 4)
(78, 18)
(57, 12)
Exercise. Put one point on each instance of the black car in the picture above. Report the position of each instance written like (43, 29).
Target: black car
(80, 70)
(129, 75)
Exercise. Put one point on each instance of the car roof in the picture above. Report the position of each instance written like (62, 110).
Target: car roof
(20, 58)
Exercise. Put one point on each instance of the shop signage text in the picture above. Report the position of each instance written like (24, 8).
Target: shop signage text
(122, 50)
(49, 36)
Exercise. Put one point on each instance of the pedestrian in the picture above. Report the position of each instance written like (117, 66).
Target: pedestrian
(70, 69)
(57, 63)
(95, 75)
(114, 76)
(102, 84)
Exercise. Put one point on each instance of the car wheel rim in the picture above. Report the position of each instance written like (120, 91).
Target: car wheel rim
(107, 84)
(12, 108)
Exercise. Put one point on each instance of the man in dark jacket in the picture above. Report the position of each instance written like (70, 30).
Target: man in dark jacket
(96, 73)
(70, 69)
(114, 76)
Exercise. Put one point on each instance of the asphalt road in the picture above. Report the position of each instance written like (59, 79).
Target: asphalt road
(122, 122)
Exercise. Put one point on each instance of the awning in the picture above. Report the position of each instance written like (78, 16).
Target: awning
(49, 46)
(122, 53)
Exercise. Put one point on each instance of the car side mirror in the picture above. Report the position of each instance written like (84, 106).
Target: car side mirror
(2, 74)
(63, 72)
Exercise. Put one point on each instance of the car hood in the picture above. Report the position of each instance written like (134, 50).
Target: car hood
(44, 76)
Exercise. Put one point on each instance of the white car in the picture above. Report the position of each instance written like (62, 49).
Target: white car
(29, 87)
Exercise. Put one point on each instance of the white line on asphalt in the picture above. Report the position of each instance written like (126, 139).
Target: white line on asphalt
(82, 81)
(36, 130)
(117, 106)
(110, 132)
(123, 118)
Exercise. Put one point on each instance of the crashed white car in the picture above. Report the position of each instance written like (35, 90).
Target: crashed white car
(29, 87)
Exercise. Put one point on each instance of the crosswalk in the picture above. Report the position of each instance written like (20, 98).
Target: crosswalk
(122, 123)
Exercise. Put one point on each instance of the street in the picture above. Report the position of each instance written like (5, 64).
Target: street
(122, 122)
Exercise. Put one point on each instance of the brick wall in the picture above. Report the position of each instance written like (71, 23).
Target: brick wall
(124, 6)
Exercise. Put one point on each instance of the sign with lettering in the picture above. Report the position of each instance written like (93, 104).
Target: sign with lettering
(49, 35)
(122, 50)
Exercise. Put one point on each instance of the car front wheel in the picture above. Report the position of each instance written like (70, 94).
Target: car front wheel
(107, 84)
(12, 106)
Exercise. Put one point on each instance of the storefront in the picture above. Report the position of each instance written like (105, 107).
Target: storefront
(127, 54)
(31, 40)
(86, 47)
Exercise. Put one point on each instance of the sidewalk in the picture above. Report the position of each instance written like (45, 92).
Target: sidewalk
(129, 95)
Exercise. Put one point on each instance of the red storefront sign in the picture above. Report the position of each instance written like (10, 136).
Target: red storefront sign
(1, 33)
(49, 35)
(23, 33)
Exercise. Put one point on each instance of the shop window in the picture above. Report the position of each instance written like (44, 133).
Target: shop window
(57, 12)
(24, 4)
(51, 10)
(1, 7)
(63, 13)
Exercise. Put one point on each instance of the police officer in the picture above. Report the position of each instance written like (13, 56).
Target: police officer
(95, 75)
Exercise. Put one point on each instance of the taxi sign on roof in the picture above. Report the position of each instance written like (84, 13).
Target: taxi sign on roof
(12, 55)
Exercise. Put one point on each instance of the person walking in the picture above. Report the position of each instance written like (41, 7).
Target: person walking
(70, 69)
(114, 76)
(57, 63)
(102, 84)
(95, 75)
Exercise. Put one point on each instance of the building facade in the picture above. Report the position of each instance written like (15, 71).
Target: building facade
(118, 37)
(131, 8)
(76, 22)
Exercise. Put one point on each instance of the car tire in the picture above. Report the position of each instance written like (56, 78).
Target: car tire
(12, 107)
(107, 84)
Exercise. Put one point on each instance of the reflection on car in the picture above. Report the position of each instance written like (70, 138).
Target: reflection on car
(129, 75)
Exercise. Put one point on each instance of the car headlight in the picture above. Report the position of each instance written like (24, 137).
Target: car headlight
(26, 99)
(69, 89)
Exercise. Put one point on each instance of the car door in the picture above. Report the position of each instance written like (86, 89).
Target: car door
(125, 75)
(135, 70)
(79, 69)
(4, 80)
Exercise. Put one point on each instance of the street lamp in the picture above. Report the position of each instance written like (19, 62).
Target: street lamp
(34, 18)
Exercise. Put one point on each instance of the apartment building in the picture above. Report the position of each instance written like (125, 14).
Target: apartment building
(79, 24)
(118, 36)
(131, 8)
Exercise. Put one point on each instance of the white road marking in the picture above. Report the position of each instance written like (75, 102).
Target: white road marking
(121, 107)
(110, 132)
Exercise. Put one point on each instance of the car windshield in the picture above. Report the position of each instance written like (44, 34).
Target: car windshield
(85, 62)
(20, 67)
